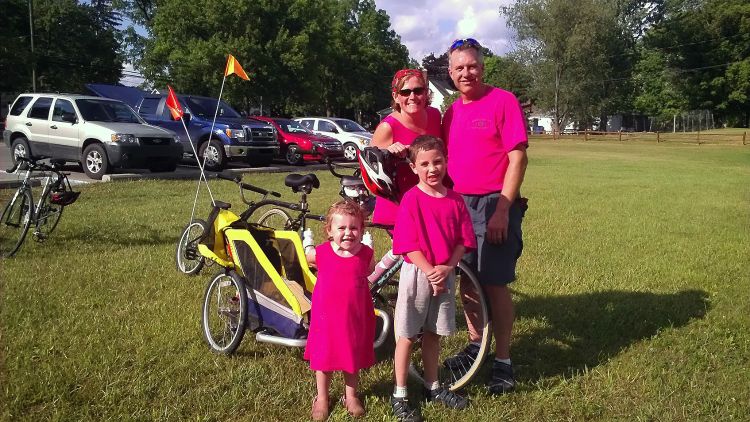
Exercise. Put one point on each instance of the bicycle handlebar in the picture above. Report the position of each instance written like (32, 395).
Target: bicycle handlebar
(331, 168)
(32, 163)
(246, 186)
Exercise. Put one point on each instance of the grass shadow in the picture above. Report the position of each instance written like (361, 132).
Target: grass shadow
(133, 234)
(565, 334)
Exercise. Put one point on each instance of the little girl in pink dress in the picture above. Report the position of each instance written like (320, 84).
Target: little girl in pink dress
(342, 319)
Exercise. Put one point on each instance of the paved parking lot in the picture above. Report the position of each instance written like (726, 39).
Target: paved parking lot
(77, 176)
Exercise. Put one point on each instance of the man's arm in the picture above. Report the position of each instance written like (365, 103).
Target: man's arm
(497, 226)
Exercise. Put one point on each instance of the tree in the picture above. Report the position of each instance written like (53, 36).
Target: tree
(74, 44)
(509, 74)
(560, 40)
(303, 56)
(707, 44)
(15, 48)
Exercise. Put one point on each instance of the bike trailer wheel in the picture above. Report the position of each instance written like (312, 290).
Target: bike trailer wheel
(224, 313)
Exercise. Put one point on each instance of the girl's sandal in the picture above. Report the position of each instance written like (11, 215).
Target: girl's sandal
(319, 410)
(353, 405)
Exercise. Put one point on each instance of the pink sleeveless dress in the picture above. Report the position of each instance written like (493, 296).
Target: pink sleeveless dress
(385, 210)
(342, 318)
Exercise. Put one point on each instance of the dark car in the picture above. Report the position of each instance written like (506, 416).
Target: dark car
(299, 144)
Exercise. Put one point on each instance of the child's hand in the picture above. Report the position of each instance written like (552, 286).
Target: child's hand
(439, 273)
(438, 288)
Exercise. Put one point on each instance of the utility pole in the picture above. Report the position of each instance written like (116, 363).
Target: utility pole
(33, 58)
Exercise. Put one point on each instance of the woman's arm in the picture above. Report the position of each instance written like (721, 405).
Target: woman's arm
(383, 137)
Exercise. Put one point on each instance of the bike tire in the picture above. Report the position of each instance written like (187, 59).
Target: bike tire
(47, 217)
(451, 345)
(275, 218)
(187, 259)
(224, 314)
(15, 221)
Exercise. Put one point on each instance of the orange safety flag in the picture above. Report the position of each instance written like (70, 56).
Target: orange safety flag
(233, 66)
(174, 105)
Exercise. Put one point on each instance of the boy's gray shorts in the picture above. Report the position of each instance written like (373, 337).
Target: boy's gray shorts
(495, 264)
(417, 309)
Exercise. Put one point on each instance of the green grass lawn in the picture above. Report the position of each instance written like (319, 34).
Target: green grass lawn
(632, 302)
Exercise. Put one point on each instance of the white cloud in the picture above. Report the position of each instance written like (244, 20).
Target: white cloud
(429, 26)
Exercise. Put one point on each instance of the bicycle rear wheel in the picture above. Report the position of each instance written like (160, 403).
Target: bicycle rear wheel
(469, 299)
(187, 258)
(224, 312)
(47, 217)
(275, 218)
(14, 222)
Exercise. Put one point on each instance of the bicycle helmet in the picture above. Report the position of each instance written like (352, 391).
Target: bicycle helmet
(378, 169)
(64, 197)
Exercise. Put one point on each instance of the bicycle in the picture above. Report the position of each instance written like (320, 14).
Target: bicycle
(20, 212)
(470, 296)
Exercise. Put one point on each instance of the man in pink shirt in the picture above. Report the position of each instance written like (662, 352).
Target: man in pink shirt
(485, 131)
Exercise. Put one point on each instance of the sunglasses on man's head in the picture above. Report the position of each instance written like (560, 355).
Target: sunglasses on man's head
(471, 42)
(406, 92)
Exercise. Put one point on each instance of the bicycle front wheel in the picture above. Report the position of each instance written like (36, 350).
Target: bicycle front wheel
(275, 218)
(471, 309)
(47, 217)
(224, 312)
(187, 258)
(14, 222)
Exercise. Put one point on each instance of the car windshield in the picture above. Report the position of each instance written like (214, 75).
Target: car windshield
(206, 107)
(290, 126)
(349, 126)
(106, 111)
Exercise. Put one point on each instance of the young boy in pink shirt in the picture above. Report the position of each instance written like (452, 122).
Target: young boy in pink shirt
(433, 230)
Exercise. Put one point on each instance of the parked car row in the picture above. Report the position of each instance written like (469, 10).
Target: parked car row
(103, 132)
(97, 132)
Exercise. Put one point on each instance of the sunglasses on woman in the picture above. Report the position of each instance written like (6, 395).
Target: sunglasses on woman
(406, 92)
(471, 42)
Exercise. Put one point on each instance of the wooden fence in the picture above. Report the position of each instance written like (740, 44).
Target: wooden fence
(698, 138)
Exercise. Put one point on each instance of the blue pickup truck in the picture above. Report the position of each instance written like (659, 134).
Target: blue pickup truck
(234, 138)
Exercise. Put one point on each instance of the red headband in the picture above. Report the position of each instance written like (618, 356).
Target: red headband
(404, 73)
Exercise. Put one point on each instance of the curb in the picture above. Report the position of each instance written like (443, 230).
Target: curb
(12, 183)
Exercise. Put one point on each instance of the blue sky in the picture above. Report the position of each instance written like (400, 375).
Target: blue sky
(429, 26)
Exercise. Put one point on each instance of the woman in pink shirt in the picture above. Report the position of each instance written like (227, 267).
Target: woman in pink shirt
(412, 116)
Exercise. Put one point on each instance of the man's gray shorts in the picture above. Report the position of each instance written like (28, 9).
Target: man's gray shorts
(496, 264)
(417, 309)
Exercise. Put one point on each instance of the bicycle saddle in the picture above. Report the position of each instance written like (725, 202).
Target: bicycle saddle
(298, 182)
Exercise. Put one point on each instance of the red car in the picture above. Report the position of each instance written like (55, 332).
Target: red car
(299, 144)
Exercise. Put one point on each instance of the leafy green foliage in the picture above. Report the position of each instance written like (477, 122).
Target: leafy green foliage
(303, 56)
(509, 74)
(74, 44)
(706, 46)
(567, 45)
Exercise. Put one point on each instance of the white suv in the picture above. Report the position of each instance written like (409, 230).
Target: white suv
(352, 136)
(97, 132)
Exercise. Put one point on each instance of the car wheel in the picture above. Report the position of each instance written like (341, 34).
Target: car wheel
(350, 151)
(95, 162)
(293, 156)
(212, 152)
(20, 148)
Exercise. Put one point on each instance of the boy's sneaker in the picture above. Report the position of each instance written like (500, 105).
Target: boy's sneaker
(502, 380)
(462, 360)
(403, 412)
(446, 397)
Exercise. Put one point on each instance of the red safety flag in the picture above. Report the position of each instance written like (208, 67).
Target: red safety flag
(233, 66)
(174, 105)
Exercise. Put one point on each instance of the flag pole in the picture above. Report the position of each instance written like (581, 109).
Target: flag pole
(202, 164)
